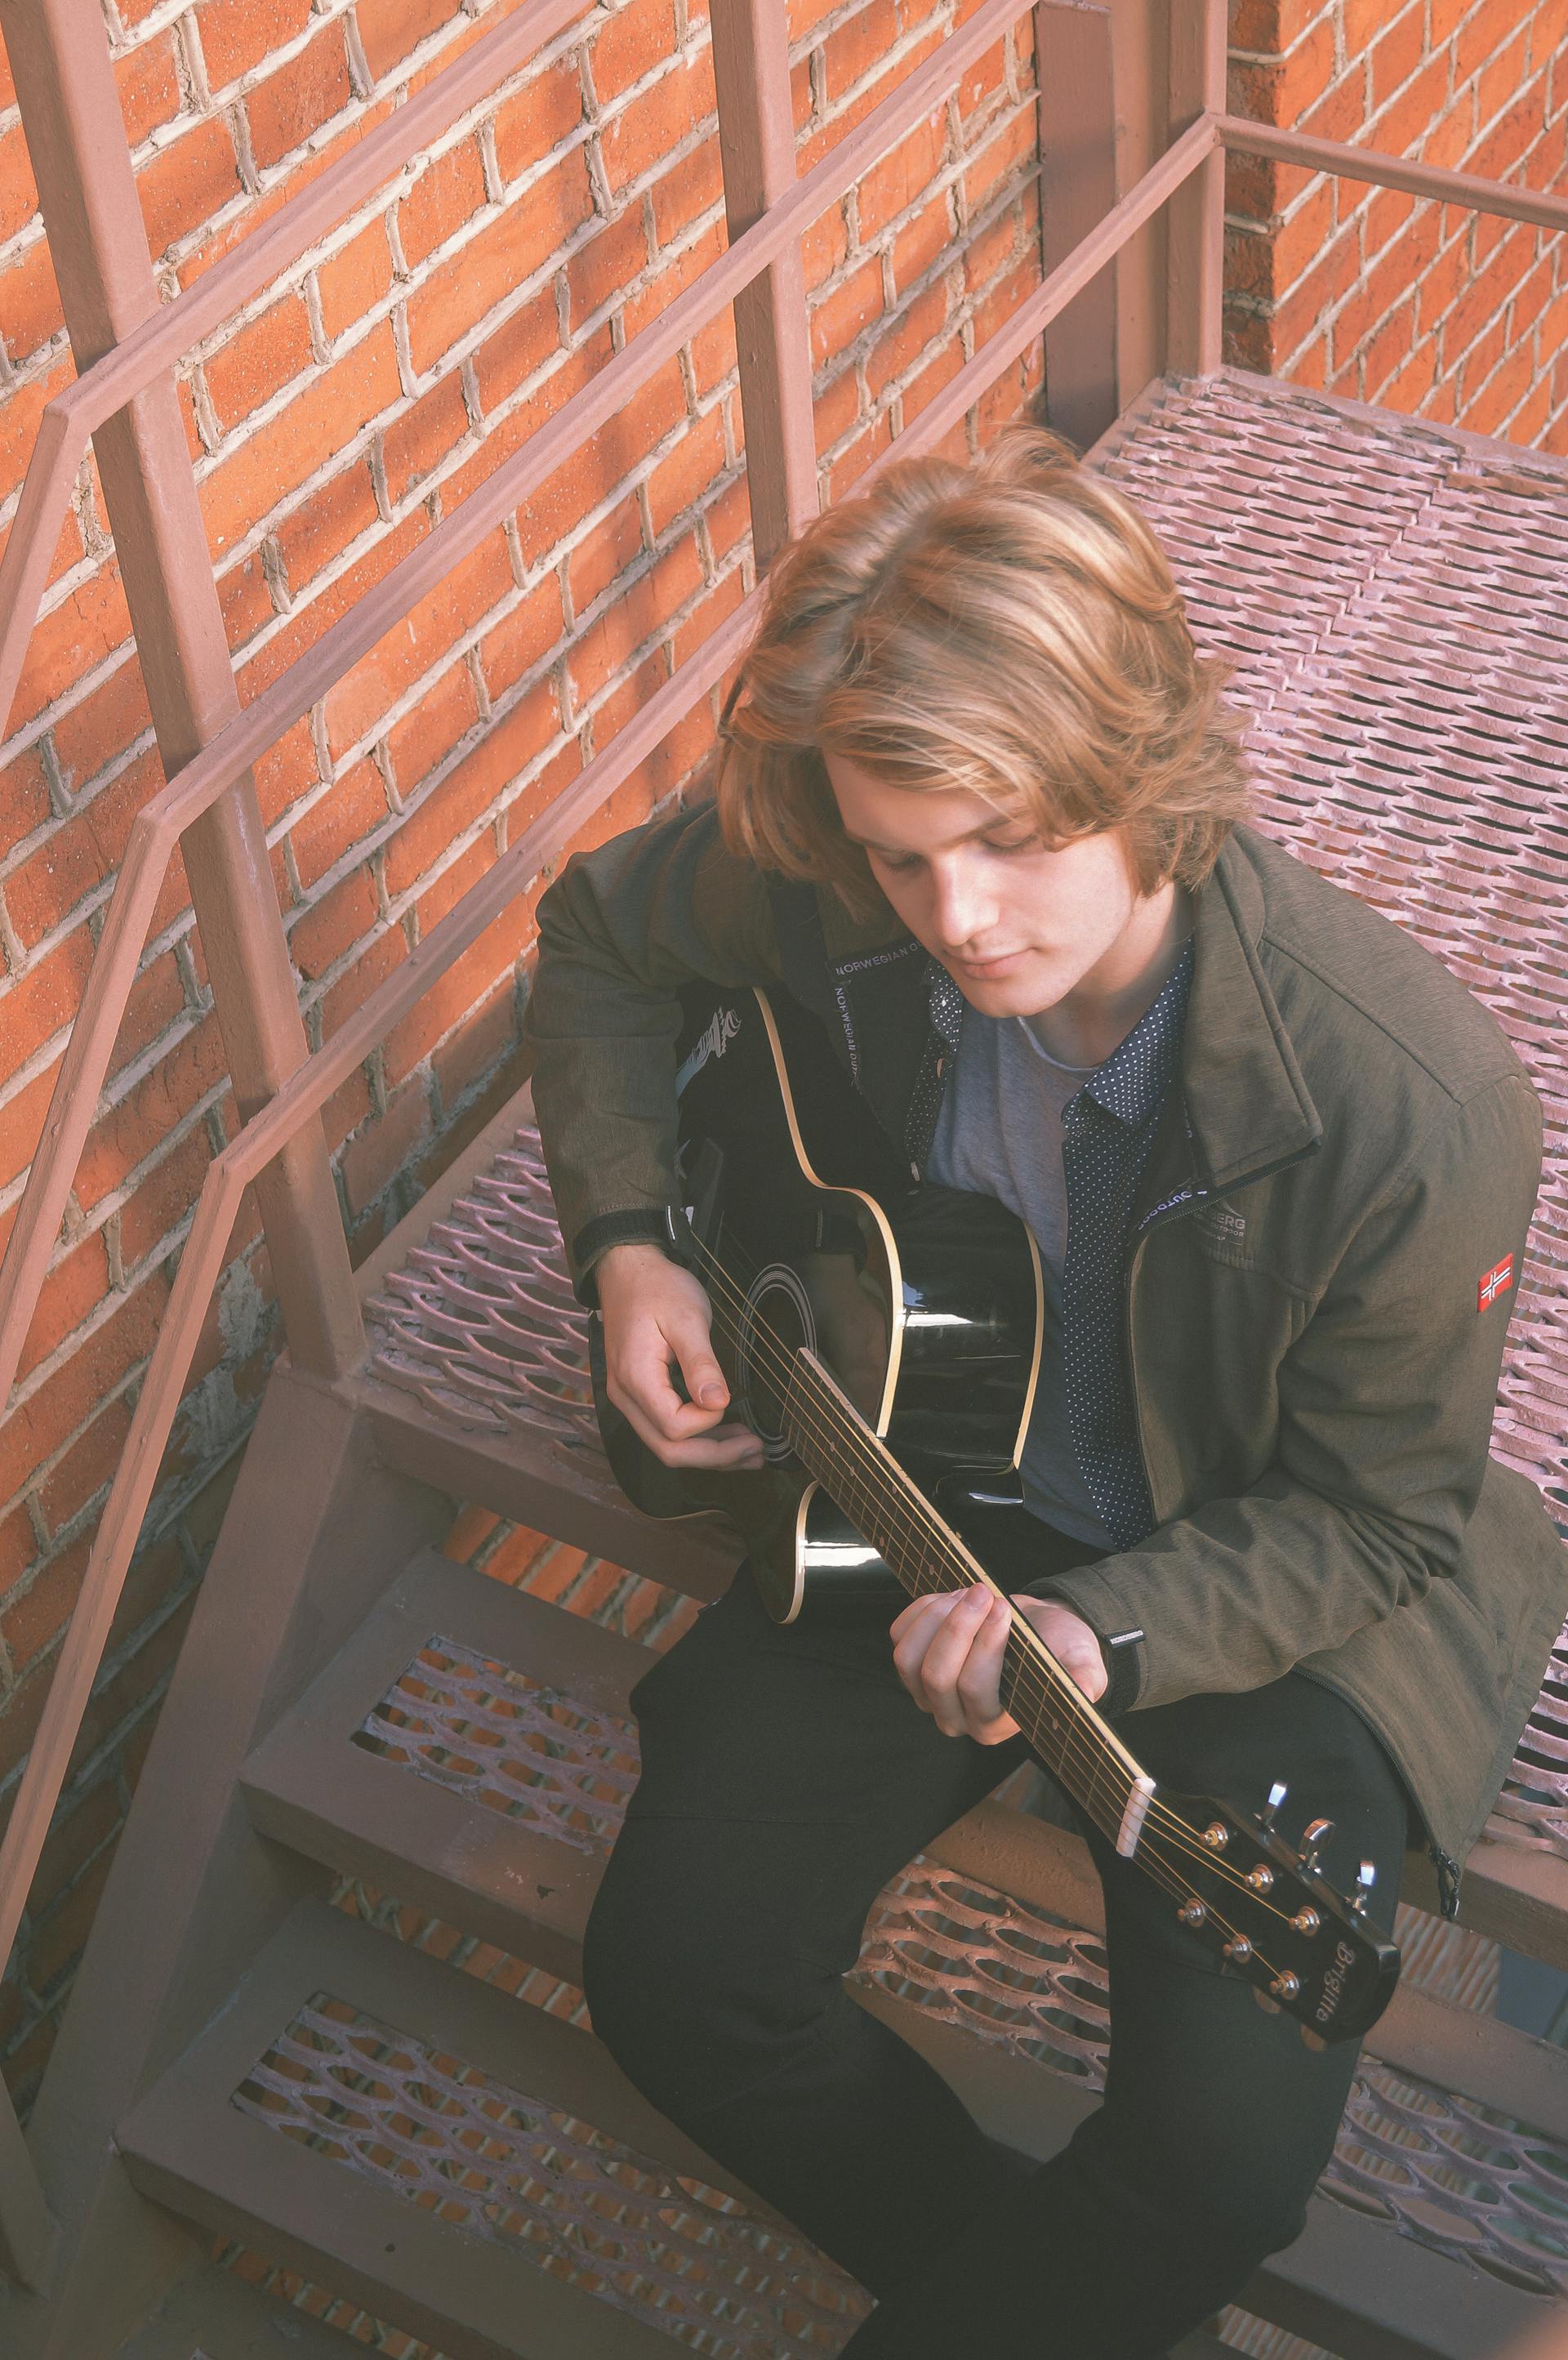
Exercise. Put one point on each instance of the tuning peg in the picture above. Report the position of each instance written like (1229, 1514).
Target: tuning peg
(1366, 1877)
(1266, 1816)
(1316, 1832)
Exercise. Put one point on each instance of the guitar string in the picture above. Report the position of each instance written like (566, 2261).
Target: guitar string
(1076, 1748)
(786, 1367)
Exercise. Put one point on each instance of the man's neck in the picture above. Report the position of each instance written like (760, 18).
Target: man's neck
(1095, 1018)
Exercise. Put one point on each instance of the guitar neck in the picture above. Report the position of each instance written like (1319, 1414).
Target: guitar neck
(858, 1471)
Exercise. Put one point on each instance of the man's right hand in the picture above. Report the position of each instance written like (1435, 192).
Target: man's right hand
(657, 1317)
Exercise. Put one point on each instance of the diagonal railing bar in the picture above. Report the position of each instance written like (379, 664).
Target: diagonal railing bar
(242, 741)
(307, 1091)
(259, 260)
(1348, 162)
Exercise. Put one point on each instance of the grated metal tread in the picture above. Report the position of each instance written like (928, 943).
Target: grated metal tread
(470, 2167)
(470, 1750)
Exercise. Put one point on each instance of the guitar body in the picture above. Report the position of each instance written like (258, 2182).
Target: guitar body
(924, 1303)
(884, 1340)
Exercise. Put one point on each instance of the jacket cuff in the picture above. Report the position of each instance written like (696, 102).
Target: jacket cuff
(1123, 1645)
(646, 1225)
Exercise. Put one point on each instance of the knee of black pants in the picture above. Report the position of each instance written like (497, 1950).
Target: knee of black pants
(696, 2006)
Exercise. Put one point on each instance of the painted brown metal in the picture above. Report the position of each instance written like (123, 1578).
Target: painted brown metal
(58, 51)
(756, 145)
(1077, 115)
(1384, 172)
(1195, 231)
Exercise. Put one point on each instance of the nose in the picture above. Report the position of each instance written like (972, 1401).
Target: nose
(964, 909)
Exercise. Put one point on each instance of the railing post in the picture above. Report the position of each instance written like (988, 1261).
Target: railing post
(75, 133)
(1195, 265)
(756, 147)
(1077, 117)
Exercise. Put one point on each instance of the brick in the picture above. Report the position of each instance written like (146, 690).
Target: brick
(692, 187)
(160, 1202)
(36, 1428)
(846, 312)
(523, 639)
(18, 191)
(281, 456)
(605, 270)
(390, 29)
(519, 349)
(434, 727)
(265, 356)
(364, 694)
(676, 272)
(446, 1006)
(857, 48)
(1389, 349)
(1341, 112)
(384, 1146)
(186, 182)
(490, 267)
(22, 410)
(315, 535)
(891, 186)
(904, 339)
(370, 967)
(697, 460)
(629, 46)
(1490, 408)
(126, 1134)
(25, 804)
(427, 432)
(352, 809)
(445, 891)
(290, 106)
(88, 1466)
(447, 192)
(642, 132)
(31, 310)
(325, 932)
(245, 601)
(148, 87)
(355, 280)
(536, 120)
(1006, 154)
(1501, 82)
(485, 1051)
(928, 235)
(237, 35)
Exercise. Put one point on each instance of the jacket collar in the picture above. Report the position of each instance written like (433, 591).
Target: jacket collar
(1249, 1107)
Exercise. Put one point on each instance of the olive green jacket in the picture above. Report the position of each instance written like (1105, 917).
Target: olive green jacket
(1352, 1149)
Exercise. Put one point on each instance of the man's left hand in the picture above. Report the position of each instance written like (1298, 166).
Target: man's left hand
(948, 1653)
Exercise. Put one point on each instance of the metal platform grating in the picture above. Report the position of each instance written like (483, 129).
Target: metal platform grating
(498, 1736)
(504, 2168)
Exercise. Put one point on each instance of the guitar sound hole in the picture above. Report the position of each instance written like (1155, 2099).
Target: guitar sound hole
(778, 1322)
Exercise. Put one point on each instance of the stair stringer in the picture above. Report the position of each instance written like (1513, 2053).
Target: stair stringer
(316, 1529)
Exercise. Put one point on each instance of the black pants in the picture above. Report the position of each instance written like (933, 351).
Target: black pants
(787, 1776)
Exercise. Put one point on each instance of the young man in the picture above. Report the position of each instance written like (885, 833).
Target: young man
(979, 814)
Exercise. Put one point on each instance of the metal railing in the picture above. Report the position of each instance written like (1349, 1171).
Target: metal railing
(1187, 177)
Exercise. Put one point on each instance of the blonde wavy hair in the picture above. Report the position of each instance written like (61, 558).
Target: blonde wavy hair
(1010, 627)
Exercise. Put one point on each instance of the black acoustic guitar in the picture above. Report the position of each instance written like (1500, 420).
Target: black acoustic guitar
(883, 1338)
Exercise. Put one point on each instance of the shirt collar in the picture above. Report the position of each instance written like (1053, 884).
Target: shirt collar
(1135, 1077)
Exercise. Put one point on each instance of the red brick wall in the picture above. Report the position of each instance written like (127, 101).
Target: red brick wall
(1419, 307)
(330, 426)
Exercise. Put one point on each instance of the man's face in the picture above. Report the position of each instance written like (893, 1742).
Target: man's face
(1017, 924)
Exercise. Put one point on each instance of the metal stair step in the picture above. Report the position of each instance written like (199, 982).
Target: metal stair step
(478, 2172)
(213, 2315)
(997, 1886)
(476, 1380)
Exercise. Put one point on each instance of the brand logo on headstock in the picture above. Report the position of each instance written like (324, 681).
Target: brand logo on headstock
(1333, 1983)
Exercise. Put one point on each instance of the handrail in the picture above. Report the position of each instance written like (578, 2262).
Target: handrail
(1346, 162)
(157, 826)
(306, 1091)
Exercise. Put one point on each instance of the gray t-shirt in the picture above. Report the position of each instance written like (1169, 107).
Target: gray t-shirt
(999, 1133)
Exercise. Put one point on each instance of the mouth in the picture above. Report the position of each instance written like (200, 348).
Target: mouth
(981, 968)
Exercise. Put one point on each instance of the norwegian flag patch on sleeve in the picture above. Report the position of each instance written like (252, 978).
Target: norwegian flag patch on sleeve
(1496, 1280)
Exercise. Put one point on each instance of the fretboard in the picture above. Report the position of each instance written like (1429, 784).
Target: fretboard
(860, 1474)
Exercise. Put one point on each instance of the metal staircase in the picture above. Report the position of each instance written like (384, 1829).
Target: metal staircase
(421, 2134)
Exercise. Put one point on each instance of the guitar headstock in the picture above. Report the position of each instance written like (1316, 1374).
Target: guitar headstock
(1270, 1911)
